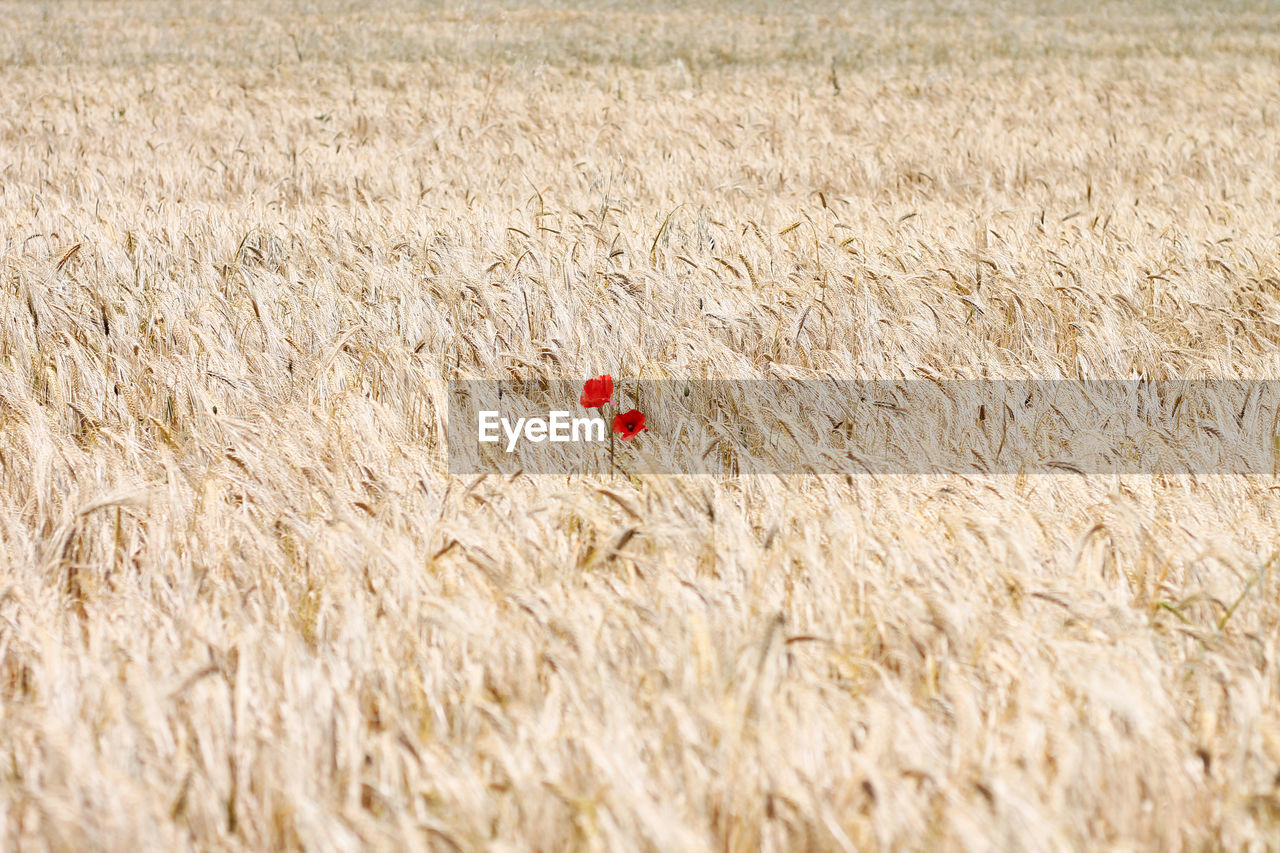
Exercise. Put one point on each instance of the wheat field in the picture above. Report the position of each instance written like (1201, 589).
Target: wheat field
(245, 247)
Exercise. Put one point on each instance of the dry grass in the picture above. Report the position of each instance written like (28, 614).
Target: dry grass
(243, 607)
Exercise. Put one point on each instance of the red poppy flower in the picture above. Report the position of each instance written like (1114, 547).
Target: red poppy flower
(597, 392)
(629, 424)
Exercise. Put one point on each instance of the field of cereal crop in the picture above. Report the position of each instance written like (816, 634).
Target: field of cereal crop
(244, 248)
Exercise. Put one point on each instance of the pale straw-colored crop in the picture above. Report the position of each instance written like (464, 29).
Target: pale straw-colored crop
(243, 247)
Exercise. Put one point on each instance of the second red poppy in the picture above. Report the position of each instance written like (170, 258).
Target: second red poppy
(629, 424)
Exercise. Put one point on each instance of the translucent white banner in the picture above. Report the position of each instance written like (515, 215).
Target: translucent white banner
(729, 428)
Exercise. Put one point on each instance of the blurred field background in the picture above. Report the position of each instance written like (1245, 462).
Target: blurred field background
(243, 246)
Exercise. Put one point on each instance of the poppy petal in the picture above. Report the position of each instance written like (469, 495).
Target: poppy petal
(597, 392)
